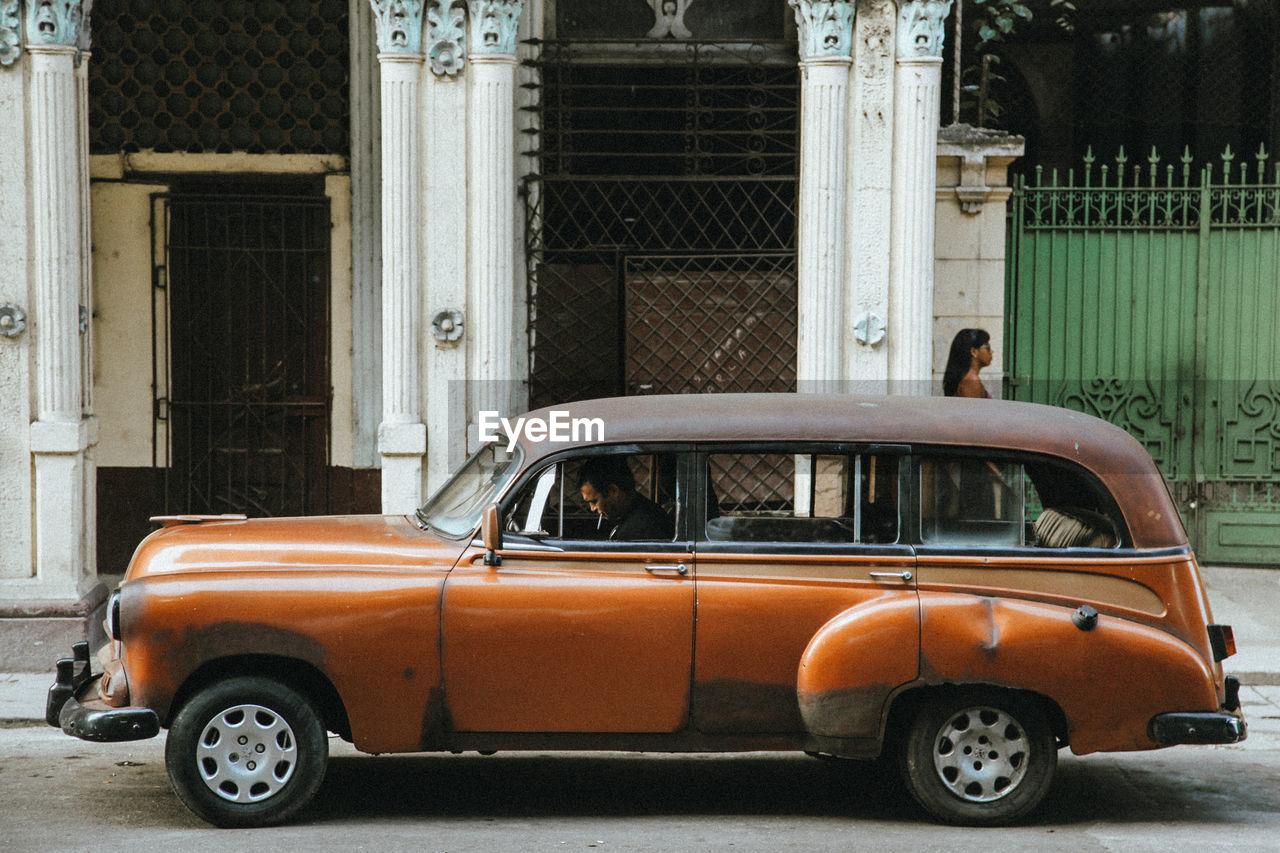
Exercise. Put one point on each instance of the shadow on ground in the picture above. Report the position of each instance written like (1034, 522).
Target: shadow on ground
(1212, 788)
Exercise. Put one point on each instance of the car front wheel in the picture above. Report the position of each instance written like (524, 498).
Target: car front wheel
(979, 758)
(247, 751)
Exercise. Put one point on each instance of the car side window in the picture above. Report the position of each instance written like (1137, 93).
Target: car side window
(994, 502)
(635, 499)
(802, 497)
(971, 500)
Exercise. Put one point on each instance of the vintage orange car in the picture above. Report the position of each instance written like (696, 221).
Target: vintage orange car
(960, 586)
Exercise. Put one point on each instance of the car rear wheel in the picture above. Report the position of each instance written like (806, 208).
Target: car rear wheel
(979, 758)
(246, 752)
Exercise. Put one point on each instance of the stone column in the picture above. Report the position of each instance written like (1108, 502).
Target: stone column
(60, 436)
(402, 436)
(917, 91)
(867, 230)
(825, 42)
(491, 201)
(445, 342)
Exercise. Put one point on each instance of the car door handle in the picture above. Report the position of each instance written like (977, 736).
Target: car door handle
(678, 569)
(902, 576)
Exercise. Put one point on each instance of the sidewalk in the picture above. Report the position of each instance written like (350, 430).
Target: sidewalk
(1246, 599)
(1249, 601)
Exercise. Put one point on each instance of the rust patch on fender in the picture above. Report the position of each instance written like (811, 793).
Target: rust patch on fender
(851, 712)
(227, 639)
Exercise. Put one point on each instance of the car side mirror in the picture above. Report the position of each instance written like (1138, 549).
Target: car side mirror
(491, 533)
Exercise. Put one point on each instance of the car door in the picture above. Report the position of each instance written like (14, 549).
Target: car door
(574, 632)
(793, 540)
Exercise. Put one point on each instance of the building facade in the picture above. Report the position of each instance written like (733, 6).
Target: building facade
(275, 256)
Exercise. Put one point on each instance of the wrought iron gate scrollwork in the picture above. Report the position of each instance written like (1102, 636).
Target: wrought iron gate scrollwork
(1147, 298)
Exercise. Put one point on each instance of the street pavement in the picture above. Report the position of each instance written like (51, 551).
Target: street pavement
(1247, 599)
(64, 794)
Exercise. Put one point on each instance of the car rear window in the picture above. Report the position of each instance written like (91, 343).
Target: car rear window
(990, 501)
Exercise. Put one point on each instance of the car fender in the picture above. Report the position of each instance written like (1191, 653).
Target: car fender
(372, 635)
(854, 663)
(1109, 678)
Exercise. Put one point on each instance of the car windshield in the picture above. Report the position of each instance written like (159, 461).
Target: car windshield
(455, 510)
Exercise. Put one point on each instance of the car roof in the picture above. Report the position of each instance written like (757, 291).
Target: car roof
(1105, 450)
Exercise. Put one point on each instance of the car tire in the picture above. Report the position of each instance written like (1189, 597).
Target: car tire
(979, 758)
(245, 752)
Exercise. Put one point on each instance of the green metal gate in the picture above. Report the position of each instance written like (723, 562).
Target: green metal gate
(1149, 295)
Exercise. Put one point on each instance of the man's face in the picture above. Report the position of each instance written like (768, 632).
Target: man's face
(607, 502)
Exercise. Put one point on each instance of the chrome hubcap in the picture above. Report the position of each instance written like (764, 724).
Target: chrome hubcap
(246, 754)
(981, 754)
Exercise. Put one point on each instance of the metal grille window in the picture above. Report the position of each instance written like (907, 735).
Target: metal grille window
(736, 314)
(216, 76)
(667, 183)
(713, 108)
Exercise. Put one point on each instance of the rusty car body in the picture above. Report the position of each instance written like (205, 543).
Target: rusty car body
(962, 587)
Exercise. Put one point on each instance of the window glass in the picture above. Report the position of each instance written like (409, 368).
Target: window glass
(987, 501)
(806, 498)
(633, 500)
(455, 510)
(970, 500)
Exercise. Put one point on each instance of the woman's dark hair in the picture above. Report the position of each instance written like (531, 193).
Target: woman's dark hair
(961, 359)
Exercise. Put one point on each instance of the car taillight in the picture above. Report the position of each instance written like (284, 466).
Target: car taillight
(1222, 640)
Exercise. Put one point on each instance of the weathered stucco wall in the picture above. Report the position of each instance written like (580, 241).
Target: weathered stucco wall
(341, 342)
(973, 189)
(122, 296)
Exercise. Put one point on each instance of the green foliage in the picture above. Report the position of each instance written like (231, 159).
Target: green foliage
(999, 18)
(987, 24)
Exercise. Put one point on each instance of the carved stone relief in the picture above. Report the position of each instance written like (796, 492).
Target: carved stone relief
(55, 21)
(493, 26)
(921, 27)
(826, 27)
(668, 19)
(875, 49)
(446, 35)
(10, 31)
(399, 24)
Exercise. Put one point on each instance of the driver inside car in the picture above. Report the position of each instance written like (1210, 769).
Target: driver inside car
(609, 488)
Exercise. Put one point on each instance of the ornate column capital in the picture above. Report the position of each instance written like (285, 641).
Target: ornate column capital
(10, 31)
(826, 28)
(399, 24)
(446, 36)
(493, 27)
(921, 27)
(57, 22)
